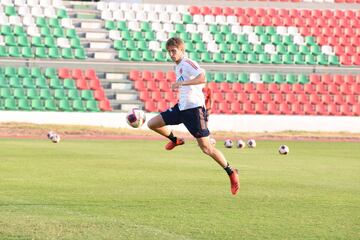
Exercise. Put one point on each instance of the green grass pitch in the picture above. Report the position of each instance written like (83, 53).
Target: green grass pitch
(133, 189)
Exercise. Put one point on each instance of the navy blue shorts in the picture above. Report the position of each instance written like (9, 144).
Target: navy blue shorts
(194, 119)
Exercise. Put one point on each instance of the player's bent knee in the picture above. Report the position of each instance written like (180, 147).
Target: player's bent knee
(207, 150)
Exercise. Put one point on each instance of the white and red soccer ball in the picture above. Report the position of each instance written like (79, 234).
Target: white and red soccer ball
(240, 144)
(228, 143)
(136, 117)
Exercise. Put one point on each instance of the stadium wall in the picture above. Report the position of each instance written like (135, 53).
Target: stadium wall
(232, 123)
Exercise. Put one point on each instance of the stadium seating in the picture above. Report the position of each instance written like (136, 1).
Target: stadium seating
(34, 89)
(255, 93)
(41, 31)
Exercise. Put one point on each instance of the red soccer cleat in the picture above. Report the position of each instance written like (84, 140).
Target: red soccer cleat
(171, 144)
(234, 180)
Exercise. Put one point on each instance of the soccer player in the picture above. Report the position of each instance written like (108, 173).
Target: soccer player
(190, 109)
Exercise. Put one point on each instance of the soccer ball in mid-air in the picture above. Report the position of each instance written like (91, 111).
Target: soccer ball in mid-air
(228, 143)
(283, 149)
(135, 117)
(251, 143)
(55, 138)
(240, 143)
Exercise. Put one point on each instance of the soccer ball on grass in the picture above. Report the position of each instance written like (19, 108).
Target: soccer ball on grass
(228, 143)
(251, 143)
(283, 149)
(240, 143)
(136, 117)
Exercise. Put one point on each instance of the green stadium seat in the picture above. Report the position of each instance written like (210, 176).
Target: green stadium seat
(205, 57)
(28, 82)
(54, 22)
(159, 56)
(45, 93)
(19, 93)
(229, 58)
(62, 13)
(235, 48)
(24, 105)
(276, 40)
(58, 32)
(50, 105)
(32, 93)
(19, 31)
(45, 32)
(265, 39)
(119, 45)
(79, 53)
(281, 49)
(126, 35)
(5, 93)
(247, 48)
(87, 95)
(64, 105)
(3, 52)
(299, 59)
(35, 72)
(264, 58)
(122, 25)
(110, 25)
(252, 58)
(10, 104)
(147, 56)
(10, 72)
(243, 78)
(75, 43)
(218, 58)
(219, 77)
(92, 105)
(6, 30)
(50, 42)
(40, 52)
(135, 56)
(3, 82)
(240, 58)
(187, 19)
(54, 52)
(71, 34)
(275, 59)
(23, 72)
(40, 82)
(10, 40)
(10, 10)
(303, 79)
(123, 55)
(60, 94)
(14, 82)
(287, 40)
(41, 22)
(37, 42)
(231, 77)
(69, 84)
(56, 83)
(67, 53)
(291, 78)
(200, 47)
(14, 51)
(137, 36)
(322, 59)
(333, 60)
(145, 27)
(50, 72)
(73, 94)
(267, 78)
(179, 28)
(287, 59)
(37, 104)
(279, 78)
(310, 60)
(315, 50)
(78, 105)
(242, 39)
(26, 52)
(189, 46)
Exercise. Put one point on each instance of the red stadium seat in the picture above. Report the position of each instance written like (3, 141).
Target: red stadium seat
(159, 76)
(273, 88)
(99, 95)
(82, 84)
(134, 75)
(152, 86)
(356, 109)
(249, 88)
(296, 109)
(315, 99)
(320, 109)
(326, 98)
(266, 97)
(249, 108)
(144, 95)
(290, 98)
(225, 87)
(351, 99)
(205, 10)
(238, 12)
(224, 107)
(339, 99)
(162, 105)
(273, 108)
(77, 73)
(346, 110)
(297, 88)
(254, 97)
(349, 79)
(284, 108)
(345, 89)
(95, 84)
(260, 108)
(170, 96)
(227, 11)
(150, 106)
(91, 73)
(321, 88)
(235, 107)
(164, 86)
(64, 73)
(314, 79)
(279, 97)
(105, 105)
(242, 97)
(157, 95)
(333, 109)
(139, 85)
(309, 88)
(260, 88)
(193, 10)
(309, 109)
(333, 88)
(303, 98)
(237, 87)
(171, 76)
(213, 86)
(147, 76)
(217, 11)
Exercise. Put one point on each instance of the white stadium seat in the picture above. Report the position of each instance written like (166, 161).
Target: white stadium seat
(207, 37)
(106, 15)
(148, 7)
(281, 30)
(113, 6)
(141, 15)
(67, 23)
(255, 77)
(220, 19)
(153, 17)
(32, 3)
(23, 10)
(7, 3)
(2, 43)
(236, 29)
(182, 9)
(292, 30)
(58, 4)
(4, 20)
(63, 42)
(137, 7)
(15, 20)
(129, 15)
(168, 27)
(160, 8)
(33, 31)
(118, 15)
(247, 29)
(212, 47)
(202, 28)
(20, 3)
(232, 20)
(328, 50)
(161, 36)
(50, 12)
(270, 48)
(134, 25)
(191, 28)
(175, 17)
(253, 38)
(45, 3)
(164, 17)
(37, 11)
(299, 40)
(114, 35)
(209, 19)
(154, 45)
(125, 6)
(102, 5)
(198, 18)
(156, 26)
(170, 8)
(28, 20)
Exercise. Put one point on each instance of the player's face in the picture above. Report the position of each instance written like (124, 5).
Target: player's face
(175, 53)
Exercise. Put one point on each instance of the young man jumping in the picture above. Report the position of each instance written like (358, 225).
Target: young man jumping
(190, 109)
